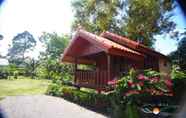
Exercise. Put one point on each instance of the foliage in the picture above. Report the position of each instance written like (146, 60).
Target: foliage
(21, 44)
(88, 99)
(3, 73)
(147, 18)
(179, 80)
(54, 89)
(176, 74)
(6, 72)
(52, 69)
(124, 101)
(133, 88)
(31, 66)
(50, 66)
(54, 44)
(136, 19)
(179, 56)
(179, 88)
(147, 82)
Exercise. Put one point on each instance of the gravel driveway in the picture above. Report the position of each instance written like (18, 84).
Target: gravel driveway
(42, 106)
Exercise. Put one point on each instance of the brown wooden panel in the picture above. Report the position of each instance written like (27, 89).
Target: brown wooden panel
(91, 79)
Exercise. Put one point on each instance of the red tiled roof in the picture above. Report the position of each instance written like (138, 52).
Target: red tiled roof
(131, 44)
(105, 44)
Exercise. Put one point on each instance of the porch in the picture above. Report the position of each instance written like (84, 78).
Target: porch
(91, 79)
(96, 78)
(107, 67)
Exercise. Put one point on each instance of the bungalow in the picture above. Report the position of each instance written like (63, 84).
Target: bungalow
(112, 56)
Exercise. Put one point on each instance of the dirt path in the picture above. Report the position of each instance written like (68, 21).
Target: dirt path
(42, 106)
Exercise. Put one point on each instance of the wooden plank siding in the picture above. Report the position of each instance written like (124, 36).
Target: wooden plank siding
(91, 79)
(108, 67)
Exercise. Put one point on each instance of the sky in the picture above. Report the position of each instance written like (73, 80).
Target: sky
(37, 16)
(164, 44)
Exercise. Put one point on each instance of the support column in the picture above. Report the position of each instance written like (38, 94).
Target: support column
(75, 70)
(108, 67)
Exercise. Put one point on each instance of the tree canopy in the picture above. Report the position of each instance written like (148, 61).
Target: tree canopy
(137, 19)
(54, 44)
(179, 56)
(21, 44)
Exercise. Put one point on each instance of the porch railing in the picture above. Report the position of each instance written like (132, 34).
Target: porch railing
(91, 79)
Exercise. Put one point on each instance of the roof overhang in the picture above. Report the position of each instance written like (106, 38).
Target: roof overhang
(132, 44)
(84, 43)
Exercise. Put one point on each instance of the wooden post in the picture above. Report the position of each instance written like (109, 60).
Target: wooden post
(75, 70)
(108, 66)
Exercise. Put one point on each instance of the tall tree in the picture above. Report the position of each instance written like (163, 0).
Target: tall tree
(21, 44)
(136, 19)
(31, 65)
(54, 44)
(179, 56)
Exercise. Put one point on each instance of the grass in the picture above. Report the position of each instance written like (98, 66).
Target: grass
(1, 98)
(24, 86)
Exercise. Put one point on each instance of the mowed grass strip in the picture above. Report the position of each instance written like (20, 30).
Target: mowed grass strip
(22, 87)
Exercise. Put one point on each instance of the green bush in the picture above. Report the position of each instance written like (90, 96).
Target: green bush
(54, 89)
(133, 89)
(85, 98)
(52, 69)
(177, 74)
(179, 83)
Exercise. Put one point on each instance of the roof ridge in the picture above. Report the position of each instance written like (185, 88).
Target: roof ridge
(128, 42)
(108, 41)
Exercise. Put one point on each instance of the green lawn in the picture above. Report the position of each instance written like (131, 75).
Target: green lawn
(22, 87)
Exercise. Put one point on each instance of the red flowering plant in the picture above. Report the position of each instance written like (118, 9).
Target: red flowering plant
(149, 82)
(132, 90)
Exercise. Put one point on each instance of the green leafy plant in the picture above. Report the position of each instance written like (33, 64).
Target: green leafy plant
(132, 88)
(177, 74)
(54, 89)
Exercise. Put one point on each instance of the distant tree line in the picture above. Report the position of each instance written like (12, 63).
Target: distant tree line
(46, 66)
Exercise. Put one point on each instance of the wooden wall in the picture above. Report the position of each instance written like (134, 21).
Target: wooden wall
(164, 67)
(151, 62)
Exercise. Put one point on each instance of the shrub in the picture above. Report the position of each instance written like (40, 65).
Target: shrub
(133, 88)
(53, 69)
(86, 98)
(177, 74)
(89, 99)
(54, 89)
(179, 80)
